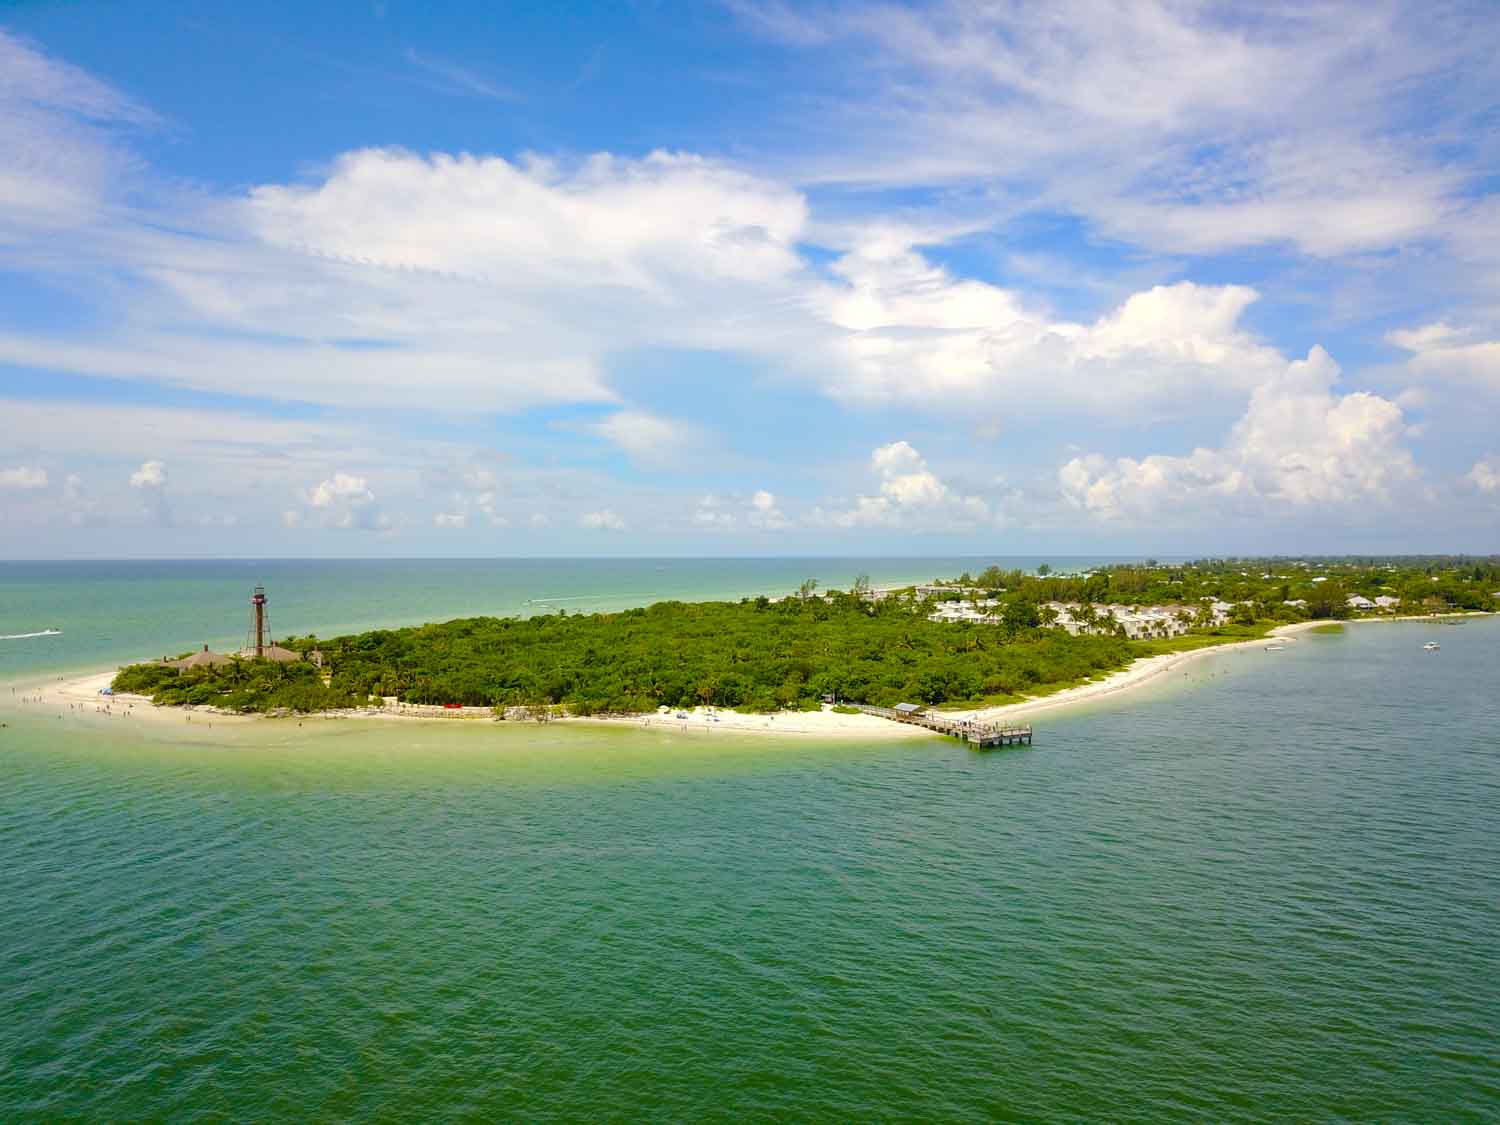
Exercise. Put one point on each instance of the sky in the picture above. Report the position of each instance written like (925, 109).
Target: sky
(748, 278)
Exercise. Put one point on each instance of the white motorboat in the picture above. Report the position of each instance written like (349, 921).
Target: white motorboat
(1432, 646)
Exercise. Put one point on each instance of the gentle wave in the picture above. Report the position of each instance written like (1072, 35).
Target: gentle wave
(27, 636)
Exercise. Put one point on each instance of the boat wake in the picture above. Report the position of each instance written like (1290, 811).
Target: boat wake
(27, 636)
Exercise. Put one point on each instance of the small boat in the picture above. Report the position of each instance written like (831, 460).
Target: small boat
(1277, 647)
(1432, 646)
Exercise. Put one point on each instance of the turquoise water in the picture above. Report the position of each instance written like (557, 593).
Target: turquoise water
(1263, 890)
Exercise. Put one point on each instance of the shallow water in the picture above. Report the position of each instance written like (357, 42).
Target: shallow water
(1264, 889)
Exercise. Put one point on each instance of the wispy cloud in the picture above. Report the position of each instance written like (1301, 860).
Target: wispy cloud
(456, 79)
(1181, 127)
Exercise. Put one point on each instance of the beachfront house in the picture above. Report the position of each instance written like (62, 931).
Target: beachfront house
(1137, 622)
(1386, 601)
(1359, 601)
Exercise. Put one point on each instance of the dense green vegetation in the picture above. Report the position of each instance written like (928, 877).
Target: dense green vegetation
(241, 685)
(763, 655)
(1427, 584)
(755, 655)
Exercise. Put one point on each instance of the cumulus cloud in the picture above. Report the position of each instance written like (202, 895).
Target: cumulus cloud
(759, 512)
(1298, 445)
(603, 520)
(342, 487)
(475, 493)
(1485, 475)
(910, 495)
(23, 477)
(151, 481)
(346, 501)
(151, 474)
(912, 332)
(764, 513)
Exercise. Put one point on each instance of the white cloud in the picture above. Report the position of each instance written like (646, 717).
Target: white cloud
(506, 285)
(711, 514)
(1176, 126)
(61, 160)
(346, 501)
(150, 480)
(450, 520)
(764, 513)
(1299, 445)
(759, 513)
(1424, 338)
(914, 333)
(1443, 351)
(458, 79)
(151, 474)
(604, 520)
(911, 495)
(1485, 475)
(509, 284)
(647, 438)
(342, 487)
(485, 503)
(23, 477)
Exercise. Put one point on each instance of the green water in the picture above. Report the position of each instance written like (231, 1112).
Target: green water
(1265, 890)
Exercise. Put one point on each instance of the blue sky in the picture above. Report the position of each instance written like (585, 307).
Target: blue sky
(748, 278)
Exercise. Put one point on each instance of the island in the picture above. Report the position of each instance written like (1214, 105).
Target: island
(974, 644)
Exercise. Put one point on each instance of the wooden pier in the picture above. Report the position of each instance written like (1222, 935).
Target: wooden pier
(981, 736)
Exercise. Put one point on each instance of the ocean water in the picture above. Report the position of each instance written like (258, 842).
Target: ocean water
(1264, 889)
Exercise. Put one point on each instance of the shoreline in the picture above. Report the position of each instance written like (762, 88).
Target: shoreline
(80, 696)
(1148, 668)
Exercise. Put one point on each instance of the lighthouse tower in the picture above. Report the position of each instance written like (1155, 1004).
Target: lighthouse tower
(258, 600)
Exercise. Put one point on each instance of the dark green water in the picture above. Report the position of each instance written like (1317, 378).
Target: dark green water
(1264, 891)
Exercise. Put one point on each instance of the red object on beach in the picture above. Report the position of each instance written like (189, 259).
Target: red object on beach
(452, 706)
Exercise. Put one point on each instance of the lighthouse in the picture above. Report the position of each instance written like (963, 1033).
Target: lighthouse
(258, 600)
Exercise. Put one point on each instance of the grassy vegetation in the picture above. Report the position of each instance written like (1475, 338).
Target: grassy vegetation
(1327, 627)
